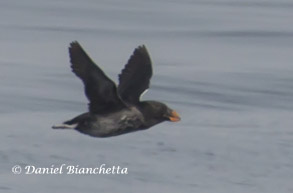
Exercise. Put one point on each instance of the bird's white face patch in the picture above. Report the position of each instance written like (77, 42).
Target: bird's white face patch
(143, 94)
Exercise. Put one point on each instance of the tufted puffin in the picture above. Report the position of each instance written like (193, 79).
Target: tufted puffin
(116, 110)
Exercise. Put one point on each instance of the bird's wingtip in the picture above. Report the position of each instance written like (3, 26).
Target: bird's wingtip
(74, 44)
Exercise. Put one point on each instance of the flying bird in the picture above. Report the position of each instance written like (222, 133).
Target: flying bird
(116, 110)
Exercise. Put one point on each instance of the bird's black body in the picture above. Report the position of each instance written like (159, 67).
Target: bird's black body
(115, 111)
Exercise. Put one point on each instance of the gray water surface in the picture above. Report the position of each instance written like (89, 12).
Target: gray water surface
(225, 66)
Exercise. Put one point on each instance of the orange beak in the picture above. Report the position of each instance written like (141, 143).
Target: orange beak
(174, 116)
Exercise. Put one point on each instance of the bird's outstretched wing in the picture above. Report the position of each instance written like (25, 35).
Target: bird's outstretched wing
(135, 77)
(99, 89)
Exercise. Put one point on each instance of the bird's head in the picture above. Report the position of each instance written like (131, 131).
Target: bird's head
(155, 112)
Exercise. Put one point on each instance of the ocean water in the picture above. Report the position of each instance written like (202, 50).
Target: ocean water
(225, 66)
